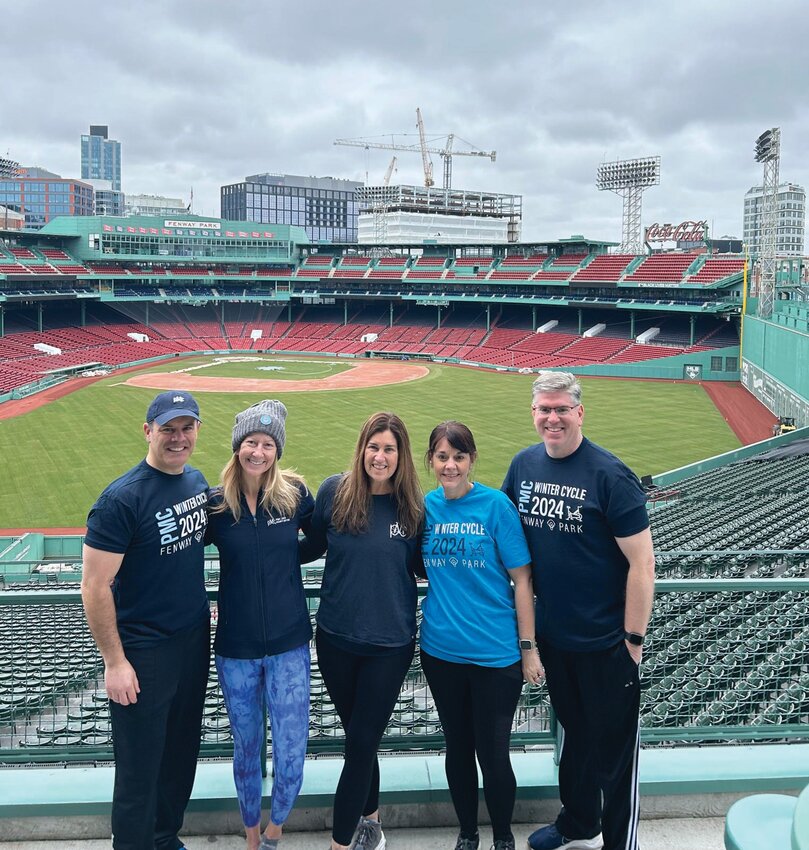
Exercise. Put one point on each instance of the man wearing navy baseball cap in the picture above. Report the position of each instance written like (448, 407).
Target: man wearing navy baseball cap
(144, 596)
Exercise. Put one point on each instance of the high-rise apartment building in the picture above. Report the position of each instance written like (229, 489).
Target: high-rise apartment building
(791, 219)
(101, 156)
(108, 201)
(325, 206)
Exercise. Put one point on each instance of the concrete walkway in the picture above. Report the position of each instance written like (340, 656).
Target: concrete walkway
(663, 834)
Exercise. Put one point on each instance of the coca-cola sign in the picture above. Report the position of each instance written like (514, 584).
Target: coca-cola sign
(685, 231)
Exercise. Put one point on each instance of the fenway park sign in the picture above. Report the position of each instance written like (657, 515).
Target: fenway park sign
(685, 231)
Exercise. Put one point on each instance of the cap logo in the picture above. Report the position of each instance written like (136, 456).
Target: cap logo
(177, 398)
(265, 420)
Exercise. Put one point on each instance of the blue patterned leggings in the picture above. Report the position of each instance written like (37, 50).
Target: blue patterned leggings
(282, 683)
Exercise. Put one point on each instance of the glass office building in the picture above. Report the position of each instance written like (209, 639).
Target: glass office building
(40, 199)
(325, 207)
(101, 156)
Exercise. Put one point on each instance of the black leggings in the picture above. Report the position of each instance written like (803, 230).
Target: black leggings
(476, 708)
(364, 690)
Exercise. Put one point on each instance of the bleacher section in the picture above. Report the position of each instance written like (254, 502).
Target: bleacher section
(22, 253)
(575, 279)
(606, 268)
(573, 268)
(662, 268)
(750, 505)
(716, 269)
(177, 328)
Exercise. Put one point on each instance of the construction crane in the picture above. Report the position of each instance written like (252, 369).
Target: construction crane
(425, 154)
(389, 172)
(446, 152)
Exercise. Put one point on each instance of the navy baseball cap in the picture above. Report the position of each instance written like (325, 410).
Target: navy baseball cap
(171, 404)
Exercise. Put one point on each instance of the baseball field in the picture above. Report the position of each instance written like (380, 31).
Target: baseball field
(57, 458)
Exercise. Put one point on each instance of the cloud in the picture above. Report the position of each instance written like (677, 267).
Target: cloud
(203, 93)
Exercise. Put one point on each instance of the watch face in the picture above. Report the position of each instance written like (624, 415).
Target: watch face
(526, 644)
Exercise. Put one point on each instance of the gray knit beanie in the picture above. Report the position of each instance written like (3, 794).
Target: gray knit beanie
(266, 417)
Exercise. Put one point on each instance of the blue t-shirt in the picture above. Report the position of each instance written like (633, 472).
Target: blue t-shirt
(261, 606)
(572, 509)
(368, 593)
(467, 548)
(157, 521)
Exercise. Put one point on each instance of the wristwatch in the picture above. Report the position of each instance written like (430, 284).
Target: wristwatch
(634, 638)
(525, 643)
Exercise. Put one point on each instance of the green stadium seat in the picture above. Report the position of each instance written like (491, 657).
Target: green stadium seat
(760, 822)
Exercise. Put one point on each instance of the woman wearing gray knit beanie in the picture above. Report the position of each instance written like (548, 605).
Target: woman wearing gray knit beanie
(263, 631)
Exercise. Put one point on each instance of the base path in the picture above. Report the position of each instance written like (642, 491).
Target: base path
(748, 418)
(375, 373)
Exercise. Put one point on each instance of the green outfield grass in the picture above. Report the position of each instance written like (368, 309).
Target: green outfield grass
(57, 459)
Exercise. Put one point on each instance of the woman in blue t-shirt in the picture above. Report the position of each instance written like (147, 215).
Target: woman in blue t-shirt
(263, 628)
(370, 520)
(477, 632)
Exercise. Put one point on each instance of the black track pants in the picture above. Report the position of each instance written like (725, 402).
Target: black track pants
(596, 697)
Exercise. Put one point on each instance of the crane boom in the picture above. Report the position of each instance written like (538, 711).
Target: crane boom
(425, 156)
(446, 152)
(415, 148)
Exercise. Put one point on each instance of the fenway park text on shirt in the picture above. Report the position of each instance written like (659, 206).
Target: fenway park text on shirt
(454, 544)
(556, 507)
(179, 525)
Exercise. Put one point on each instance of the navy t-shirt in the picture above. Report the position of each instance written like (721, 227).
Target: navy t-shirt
(368, 593)
(571, 510)
(262, 606)
(157, 521)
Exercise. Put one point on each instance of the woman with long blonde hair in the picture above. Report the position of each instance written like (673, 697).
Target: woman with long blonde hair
(370, 520)
(263, 632)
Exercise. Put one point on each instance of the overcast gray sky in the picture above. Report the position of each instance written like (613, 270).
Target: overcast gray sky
(203, 93)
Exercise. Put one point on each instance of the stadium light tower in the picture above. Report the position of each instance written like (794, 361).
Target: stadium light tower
(768, 152)
(8, 167)
(629, 178)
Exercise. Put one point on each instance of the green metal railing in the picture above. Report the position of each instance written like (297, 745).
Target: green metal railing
(725, 660)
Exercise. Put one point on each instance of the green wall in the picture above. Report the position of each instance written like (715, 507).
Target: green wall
(775, 361)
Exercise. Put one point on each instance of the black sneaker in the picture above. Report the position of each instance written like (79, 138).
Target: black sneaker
(549, 838)
(467, 843)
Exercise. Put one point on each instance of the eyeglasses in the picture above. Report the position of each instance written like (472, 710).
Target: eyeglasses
(559, 411)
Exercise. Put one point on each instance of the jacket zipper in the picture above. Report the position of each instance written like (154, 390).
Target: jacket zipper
(260, 586)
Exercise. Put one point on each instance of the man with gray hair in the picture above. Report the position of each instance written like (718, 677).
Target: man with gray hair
(584, 515)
